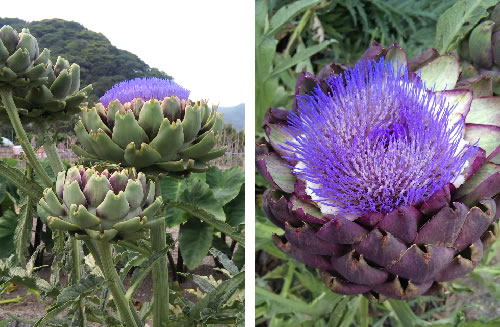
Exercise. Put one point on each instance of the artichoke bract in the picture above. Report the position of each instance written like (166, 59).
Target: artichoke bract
(100, 205)
(40, 88)
(480, 53)
(384, 175)
(150, 124)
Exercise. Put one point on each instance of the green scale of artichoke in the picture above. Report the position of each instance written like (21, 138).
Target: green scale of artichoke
(172, 135)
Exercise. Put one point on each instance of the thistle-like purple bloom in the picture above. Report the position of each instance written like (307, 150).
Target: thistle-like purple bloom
(377, 140)
(145, 88)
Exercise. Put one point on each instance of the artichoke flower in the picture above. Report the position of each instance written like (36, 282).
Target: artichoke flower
(384, 179)
(100, 205)
(150, 124)
(40, 89)
(480, 53)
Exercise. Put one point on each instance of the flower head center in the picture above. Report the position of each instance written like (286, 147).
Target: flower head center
(144, 88)
(375, 140)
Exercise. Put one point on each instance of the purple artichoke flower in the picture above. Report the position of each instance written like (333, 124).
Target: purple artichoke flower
(384, 176)
(146, 88)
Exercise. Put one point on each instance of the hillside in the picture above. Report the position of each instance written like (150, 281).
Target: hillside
(234, 116)
(102, 64)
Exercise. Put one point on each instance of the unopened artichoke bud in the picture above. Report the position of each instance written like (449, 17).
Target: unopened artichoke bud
(40, 89)
(481, 48)
(100, 204)
(388, 179)
(20, 59)
(150, 124)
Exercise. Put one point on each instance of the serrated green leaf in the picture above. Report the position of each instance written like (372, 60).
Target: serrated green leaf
(74, 292)
(214, 300)
(227, 263)
(22, 234)
(142, 272)
(17, 178)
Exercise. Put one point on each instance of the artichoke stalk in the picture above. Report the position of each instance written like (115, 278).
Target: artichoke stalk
(385, 176)
(151, 125)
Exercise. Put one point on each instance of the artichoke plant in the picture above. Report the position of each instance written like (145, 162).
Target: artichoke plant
(480, 52)
(100, 205)
(40, 89)
(150, 124)
(385, 176)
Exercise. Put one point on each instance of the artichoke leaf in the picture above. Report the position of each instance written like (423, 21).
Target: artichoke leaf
(59, 224)
(127, 130)
(175, 166)
(169, 140)
(191, 124)
(201, 148)
(80, 216)
(106, 148)
(114, 207)
(151, 117)
(144, 157)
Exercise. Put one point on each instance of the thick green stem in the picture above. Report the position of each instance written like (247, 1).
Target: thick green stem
(114, 283)
(160, 277)
(76, 269)
(288, 279)
(8, 102)
(298, 30)
(76, 274)
(363, 312)
(160, 272)
(403, 313)
(54, 159)
(93, 250)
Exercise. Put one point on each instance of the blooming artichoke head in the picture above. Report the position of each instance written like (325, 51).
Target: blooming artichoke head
(100, 205)
(150, 124)
(384, 176)
(40, 89)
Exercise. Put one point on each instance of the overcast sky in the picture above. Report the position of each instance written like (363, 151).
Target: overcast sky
(204, 45)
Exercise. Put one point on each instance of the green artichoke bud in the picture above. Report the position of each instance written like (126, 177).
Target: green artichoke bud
(480, 55)
(100, 205)
(166, 135)
(40, 89)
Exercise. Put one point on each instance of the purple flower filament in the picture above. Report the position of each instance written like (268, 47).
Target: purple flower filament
(376, 140)
(145, 88)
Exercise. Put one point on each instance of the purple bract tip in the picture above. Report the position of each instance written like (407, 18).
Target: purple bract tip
(375, 141)
(145, 88)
